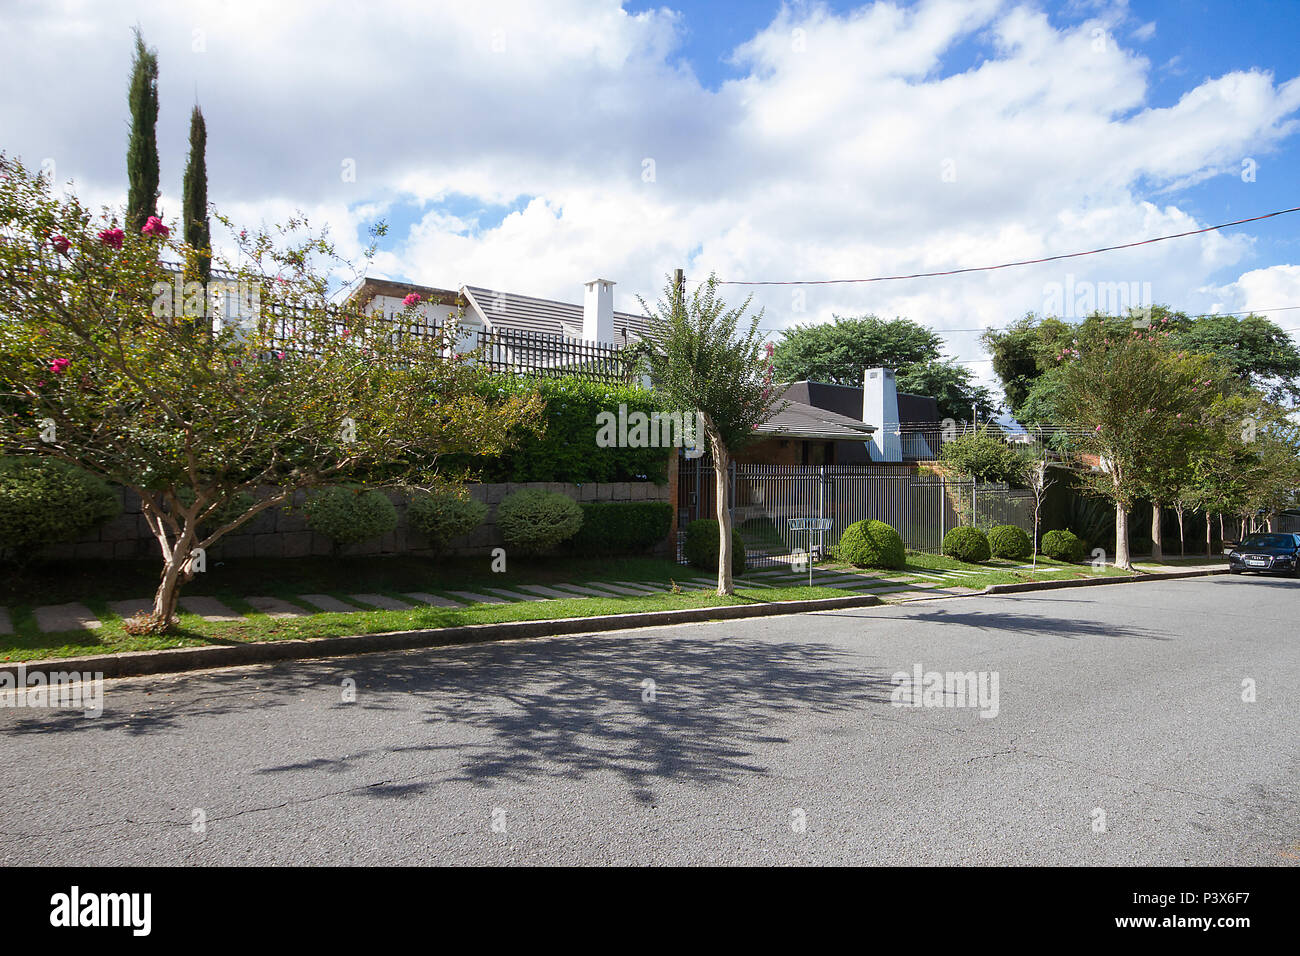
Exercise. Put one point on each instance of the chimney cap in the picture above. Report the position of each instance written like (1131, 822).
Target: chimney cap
(591, 282)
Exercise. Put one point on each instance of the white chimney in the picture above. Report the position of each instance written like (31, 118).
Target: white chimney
(598, 311)
(880, 408)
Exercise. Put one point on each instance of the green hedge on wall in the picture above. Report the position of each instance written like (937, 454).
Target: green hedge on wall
(567, 451)
(621, 527)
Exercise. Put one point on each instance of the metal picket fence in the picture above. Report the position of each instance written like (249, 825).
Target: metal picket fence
(922, 507)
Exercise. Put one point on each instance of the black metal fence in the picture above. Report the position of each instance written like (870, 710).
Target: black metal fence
(553, 356)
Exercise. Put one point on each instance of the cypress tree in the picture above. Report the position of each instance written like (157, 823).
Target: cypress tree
(195, 198)
(142, 147)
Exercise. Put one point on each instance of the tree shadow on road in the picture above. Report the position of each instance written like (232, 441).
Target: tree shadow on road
(980, 617)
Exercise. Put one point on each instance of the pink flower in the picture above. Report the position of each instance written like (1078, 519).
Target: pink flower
(280, 356)
(412, 299)
(153, 226)
(112, 238)
(58, 365)
(346, 333)
(1098, 428)
(60, 244)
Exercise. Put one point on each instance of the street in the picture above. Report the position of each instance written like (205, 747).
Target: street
(1120, 737)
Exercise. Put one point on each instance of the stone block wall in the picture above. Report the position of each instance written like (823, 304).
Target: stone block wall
(280, 532)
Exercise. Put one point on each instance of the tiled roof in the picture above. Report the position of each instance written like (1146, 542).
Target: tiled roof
(799, 420)
(525, 313)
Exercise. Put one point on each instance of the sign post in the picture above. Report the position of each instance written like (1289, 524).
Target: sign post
(809, 525)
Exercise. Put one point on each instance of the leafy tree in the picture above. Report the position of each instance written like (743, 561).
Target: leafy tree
(142, 147)
(98, 370)
(198, 232)
(1252, 349)
(701, 359)
(984, 455)
(1135, 404)
(838, 352)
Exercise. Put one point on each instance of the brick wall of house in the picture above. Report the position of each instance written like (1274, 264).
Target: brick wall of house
(283, 533)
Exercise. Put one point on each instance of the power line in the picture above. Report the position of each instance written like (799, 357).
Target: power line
(1009, 265)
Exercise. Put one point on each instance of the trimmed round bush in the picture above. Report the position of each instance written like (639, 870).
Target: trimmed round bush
(443, 513)
(701, 546)
(348, 514)
(967, 544)
(872, 544)
(1008, 541)
(46, 501)
(1064, 546)
(621, 527)
(534, 521)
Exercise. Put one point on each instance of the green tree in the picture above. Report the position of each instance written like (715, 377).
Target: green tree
(100, 369)
(1135, 404)
(984, 455)
(198, 232)
(701, 358)
(839, 351)
(142, 147)
(1250, 348)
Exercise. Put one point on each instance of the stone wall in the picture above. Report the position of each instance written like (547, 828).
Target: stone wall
(282, 533)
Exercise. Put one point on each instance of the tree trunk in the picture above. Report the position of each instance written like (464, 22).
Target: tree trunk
(1157, 542)
(1036, 500)
(1122, 559)
(1182, 535)
(1209, 536)
(176, 571)
(720, 461)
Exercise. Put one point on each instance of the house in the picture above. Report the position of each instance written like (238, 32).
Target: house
(492, 310)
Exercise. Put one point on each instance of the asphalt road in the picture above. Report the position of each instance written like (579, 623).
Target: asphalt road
(766, 741)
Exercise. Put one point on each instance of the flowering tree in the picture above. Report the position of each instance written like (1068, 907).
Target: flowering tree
(1137, 406)
(699, 359)
(100, 367)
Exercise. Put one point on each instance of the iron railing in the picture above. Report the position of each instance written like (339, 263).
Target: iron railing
(553, 356)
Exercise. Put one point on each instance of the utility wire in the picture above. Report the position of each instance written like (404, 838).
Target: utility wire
(1009, 265)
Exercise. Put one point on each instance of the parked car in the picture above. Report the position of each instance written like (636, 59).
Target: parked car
(1278, 553)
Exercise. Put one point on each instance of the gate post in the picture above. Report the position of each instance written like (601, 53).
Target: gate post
(821, 513)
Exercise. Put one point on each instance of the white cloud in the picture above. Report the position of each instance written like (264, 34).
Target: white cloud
(848, 149)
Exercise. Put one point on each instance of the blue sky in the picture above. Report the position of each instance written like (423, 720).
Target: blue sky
(530, 147)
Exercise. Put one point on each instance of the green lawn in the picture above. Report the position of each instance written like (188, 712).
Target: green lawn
(993, 571)
(95, 584)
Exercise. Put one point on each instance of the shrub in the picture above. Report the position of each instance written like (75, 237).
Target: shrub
(347, 514)
(967, 544)
(1063, 546)
(701, 546)
(1008, 541)
(45, 501)
(534, 521)
(443, 513)
(871, 544)
(631, 527)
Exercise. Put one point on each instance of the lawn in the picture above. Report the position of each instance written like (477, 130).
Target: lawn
(993, 571)
(95, 584)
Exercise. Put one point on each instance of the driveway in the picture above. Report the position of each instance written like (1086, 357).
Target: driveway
(762, 741)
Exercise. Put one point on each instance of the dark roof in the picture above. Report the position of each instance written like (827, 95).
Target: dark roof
(847, 400)
(525, 313)
(800, 420)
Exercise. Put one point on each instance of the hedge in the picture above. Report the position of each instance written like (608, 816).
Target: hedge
(632, 527)
(967, 544)
(1009, 541)
(534, 521)
(443, 513)
(1064, 546)
(701, 546)
(567, 451)
(46, 501)
(872, 544)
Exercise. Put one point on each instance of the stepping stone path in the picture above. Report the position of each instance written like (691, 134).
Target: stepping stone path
(545, 591)
(381, 601)
(582, 590)
(515, 595)
(275, 607)
(326, 603)
(209, 608)
(419, 597)
(66, 617)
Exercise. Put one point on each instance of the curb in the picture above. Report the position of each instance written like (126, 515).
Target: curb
(1093, 582)
(177, 659)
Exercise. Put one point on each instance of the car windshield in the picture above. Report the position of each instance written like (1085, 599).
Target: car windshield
(1269, 541)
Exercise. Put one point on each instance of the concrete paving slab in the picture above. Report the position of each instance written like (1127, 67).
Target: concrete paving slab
(515, 595)
(545, 591)
(327, 603)
(209, 608)
(584, 591)
(275, 607)
(133, 606)
(381, 601)
(66, 617)
(419, 597)
(471, 597)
